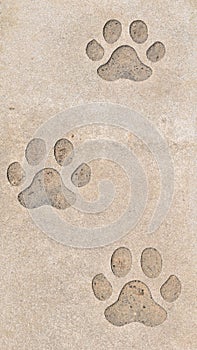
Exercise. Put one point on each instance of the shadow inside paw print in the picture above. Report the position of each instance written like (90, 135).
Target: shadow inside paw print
(124, 62)
(135, 302)
(47, 187)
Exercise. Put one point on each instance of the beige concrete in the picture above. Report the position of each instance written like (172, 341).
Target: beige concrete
(46, 297)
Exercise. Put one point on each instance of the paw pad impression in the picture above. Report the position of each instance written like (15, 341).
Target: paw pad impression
(47, 187)
(135, 302)
(124, 62)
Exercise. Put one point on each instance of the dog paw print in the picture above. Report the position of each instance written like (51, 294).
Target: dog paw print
(135, 302)
(124, 62)
(47, 187)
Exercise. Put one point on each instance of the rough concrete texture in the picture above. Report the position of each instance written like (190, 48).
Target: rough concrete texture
(46, 298)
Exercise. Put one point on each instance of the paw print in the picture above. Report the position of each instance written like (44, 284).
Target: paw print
(135, 302)
(124, 62)
(47, 187)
